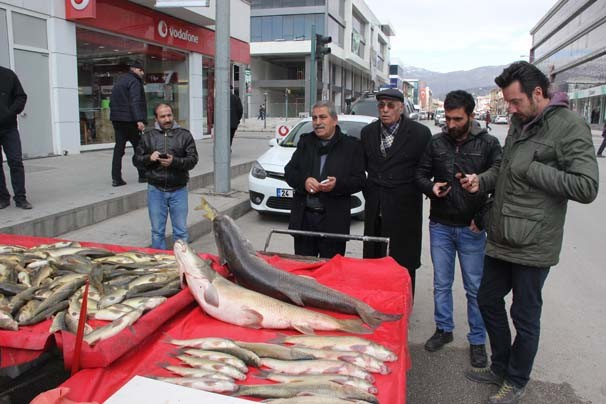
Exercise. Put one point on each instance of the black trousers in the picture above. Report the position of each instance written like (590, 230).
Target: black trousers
(11, 144)
(602, 146)
(513, 361)
(232, 133)
(317, 246)
(124, 132)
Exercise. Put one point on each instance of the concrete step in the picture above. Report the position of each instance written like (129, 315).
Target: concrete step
(134, 228)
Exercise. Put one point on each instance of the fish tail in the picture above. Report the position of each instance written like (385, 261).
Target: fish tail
(211, 213)
(354, 326)
(374, 318)
(278, 339)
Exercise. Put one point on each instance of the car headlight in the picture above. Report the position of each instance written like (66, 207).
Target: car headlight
(258, 171)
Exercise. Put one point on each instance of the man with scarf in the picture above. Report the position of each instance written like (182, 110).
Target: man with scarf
(325, 170)
(166, 153)
(392, 147)
(548, 159)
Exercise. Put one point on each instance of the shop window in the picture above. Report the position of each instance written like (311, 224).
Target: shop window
(102, 58)
(4, 55)
(29, 31)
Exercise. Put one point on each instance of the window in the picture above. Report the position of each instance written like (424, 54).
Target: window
(29, 31)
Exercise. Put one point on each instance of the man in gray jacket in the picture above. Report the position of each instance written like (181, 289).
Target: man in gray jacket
(548, 159)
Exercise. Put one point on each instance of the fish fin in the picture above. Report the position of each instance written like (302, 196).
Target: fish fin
(252, 318)
(278, 339)
(211, 296)
(262, 374)
(374, 318)
(354, 326)
(163, 365)
(294, 297)
(303, 329)
(211, 213)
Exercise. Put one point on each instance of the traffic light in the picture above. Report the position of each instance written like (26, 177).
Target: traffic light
(321, 46)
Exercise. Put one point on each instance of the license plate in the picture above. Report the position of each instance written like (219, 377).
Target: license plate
(284, 193)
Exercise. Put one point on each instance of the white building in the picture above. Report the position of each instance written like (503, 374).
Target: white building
(67, 54)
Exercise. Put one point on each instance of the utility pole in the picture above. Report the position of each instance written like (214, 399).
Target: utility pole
(222, 149)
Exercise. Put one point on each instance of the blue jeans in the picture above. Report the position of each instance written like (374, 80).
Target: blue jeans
(159, 205)
(446, 242)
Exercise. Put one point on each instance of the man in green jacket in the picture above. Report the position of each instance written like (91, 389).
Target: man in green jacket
(548, 159)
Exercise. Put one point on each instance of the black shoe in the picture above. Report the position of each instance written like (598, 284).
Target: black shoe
(118, 183)
(438, 340)
(484, 376)
(24, 204)
(142, 180)
(477, 356)
(5, 204)
(600, 156)
(507, 394)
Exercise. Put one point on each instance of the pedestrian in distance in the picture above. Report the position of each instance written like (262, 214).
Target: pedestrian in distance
(488, 120)
(392, 147)
(235, 114)
(325, 170)
(548, 159)
(603, 145)
(456, 225)
(12, 103)
(128, 113)
(261, 112)
(166, 154)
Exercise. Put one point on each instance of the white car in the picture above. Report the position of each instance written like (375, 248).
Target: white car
(267, 188)
(501, 119)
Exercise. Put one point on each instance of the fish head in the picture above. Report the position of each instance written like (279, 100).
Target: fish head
(190, 263)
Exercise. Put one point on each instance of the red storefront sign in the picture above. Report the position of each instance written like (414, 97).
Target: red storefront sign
(125, 18)
(77, 9)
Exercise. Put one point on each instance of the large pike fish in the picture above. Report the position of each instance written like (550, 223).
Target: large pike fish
(256, 274)
(234, 304)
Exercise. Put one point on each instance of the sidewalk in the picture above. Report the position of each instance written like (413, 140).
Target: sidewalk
(72, 192)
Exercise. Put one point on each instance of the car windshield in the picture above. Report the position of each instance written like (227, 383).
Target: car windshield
(365, 107)
(351, 128)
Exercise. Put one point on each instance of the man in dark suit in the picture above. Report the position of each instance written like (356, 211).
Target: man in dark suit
(392, 147)
(235, 114)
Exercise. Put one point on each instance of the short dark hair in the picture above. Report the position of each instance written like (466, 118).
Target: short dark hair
(162, 104)
(529, 76)
(460, 99)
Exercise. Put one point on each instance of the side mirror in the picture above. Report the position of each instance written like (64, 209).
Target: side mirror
(273, 142)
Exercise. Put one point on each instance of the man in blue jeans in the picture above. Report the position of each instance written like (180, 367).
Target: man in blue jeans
(456, 217)
(167, 153)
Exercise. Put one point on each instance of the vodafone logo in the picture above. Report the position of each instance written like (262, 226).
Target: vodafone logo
(162, 28)
(79, 4)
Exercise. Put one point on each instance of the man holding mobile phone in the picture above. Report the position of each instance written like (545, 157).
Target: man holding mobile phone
(455, 225)
(167, 153)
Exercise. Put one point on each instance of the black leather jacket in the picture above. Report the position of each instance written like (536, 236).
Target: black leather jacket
(127, 102)
(442, 159)
(177, 142)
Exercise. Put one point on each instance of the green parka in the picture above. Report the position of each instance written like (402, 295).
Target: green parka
(545, 163)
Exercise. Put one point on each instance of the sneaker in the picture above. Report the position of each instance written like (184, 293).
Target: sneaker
(484, 376)
(507, 394)
(477, 356)
(438, 340)
(23, 204)
(4, 204)
(118, 182)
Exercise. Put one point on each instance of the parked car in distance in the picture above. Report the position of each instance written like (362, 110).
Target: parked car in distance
(366, 104)
(267, 188)
(438, 117)
(422, 115)
(501, 119)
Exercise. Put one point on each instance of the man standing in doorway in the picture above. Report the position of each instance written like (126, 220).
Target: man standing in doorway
(548, 159)
(12, 102)
(456, 218)
(235, 114)
(392, 147)
(166, 153)
(128, 113)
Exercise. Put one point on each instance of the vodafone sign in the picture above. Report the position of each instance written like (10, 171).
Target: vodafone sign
(77, 9)
(168, 31)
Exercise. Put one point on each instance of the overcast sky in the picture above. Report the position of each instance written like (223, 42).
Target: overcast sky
(449, 35)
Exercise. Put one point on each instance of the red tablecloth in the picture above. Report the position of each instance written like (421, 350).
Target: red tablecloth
(382, 283)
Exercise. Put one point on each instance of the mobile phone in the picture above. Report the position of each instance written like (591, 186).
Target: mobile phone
(324, 181)
(163, 155)
(460, 170)
(443, 188)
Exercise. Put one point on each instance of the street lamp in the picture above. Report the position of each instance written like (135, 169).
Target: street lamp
(265, 113)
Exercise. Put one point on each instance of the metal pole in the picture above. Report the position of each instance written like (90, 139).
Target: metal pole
(222, 152)
(286, 104)
(312, 70)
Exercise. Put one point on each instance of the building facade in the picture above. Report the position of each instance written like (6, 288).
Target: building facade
(569, 44)
(281, 53)
(68, 54)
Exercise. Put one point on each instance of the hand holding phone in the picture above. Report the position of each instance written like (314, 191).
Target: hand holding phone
(324, 181)
(443, 188)
(163, 155)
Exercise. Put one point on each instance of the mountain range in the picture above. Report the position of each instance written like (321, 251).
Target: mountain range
(478, 81)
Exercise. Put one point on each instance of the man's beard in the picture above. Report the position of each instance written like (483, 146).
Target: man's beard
(533, 112)
(459, 134)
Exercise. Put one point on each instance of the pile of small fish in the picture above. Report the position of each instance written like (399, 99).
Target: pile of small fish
(49, 279)
(331, 367)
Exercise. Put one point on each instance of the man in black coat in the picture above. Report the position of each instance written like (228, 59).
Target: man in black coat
(324, 171)
(392, 147)
(12, 102)
(128, 113)
(235, 114)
